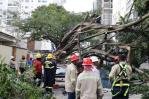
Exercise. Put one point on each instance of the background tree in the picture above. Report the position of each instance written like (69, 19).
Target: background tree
(49, 22)
(138, 35)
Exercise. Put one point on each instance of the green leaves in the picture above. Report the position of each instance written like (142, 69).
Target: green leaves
(14, 87)
(50, 22)
(142, 6)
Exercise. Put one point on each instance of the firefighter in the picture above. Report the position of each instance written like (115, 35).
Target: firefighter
(88, 83)
(120, 73)
(71, 76)
(37, 63)
(49, 73)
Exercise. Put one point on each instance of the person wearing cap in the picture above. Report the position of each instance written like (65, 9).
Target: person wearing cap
(88, 82)
(71, 76)
(96, 63)
(120, 74)
(12, 63)
(37, 63)
(49, 73)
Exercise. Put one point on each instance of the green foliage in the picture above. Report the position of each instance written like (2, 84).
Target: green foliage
(139, 37)
(14, 87)
(140, 88)
(49, 22)
(146, 95)
(141, 6)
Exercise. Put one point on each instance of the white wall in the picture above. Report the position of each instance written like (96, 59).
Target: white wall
(5, 52)
(22, 44)
(43, 45)
(20, 52)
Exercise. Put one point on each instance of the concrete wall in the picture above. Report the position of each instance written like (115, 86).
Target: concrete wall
(20, 52)
(5, 52)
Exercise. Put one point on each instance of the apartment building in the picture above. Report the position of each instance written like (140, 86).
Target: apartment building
(8, 9)
(104, 7)
(27, 6)
(107, 7)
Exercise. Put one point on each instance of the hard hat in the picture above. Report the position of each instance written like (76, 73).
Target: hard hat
(74, 57)
(50, 56)
(94, 59)
(38, 55)
(87, 62)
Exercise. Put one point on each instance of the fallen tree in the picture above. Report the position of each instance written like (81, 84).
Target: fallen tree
(69, 41)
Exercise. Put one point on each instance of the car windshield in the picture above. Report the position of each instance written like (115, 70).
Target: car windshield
(60, 70)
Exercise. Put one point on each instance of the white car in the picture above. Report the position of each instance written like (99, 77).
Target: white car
(60, 74)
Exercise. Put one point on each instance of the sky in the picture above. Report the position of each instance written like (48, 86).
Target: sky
(78, 5)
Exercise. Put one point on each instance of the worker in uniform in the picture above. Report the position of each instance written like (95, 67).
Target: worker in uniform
(88, 82)
(71, 76)
(37, 63)
(120, 74)
(49, 73)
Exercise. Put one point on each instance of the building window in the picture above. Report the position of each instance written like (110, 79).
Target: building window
(1, 3)
(106, 0)
(39, 0)
(12, 4)
(107, 5)
(26, 0)
(44, 0)
(8, 22)
(26, 7)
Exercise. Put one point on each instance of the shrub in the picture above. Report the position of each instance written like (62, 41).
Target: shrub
(14, 87)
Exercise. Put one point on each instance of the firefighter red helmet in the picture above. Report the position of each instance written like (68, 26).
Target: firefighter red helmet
(74, 57)
(87, 62)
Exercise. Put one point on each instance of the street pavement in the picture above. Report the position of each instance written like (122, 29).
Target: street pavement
(107, 95)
